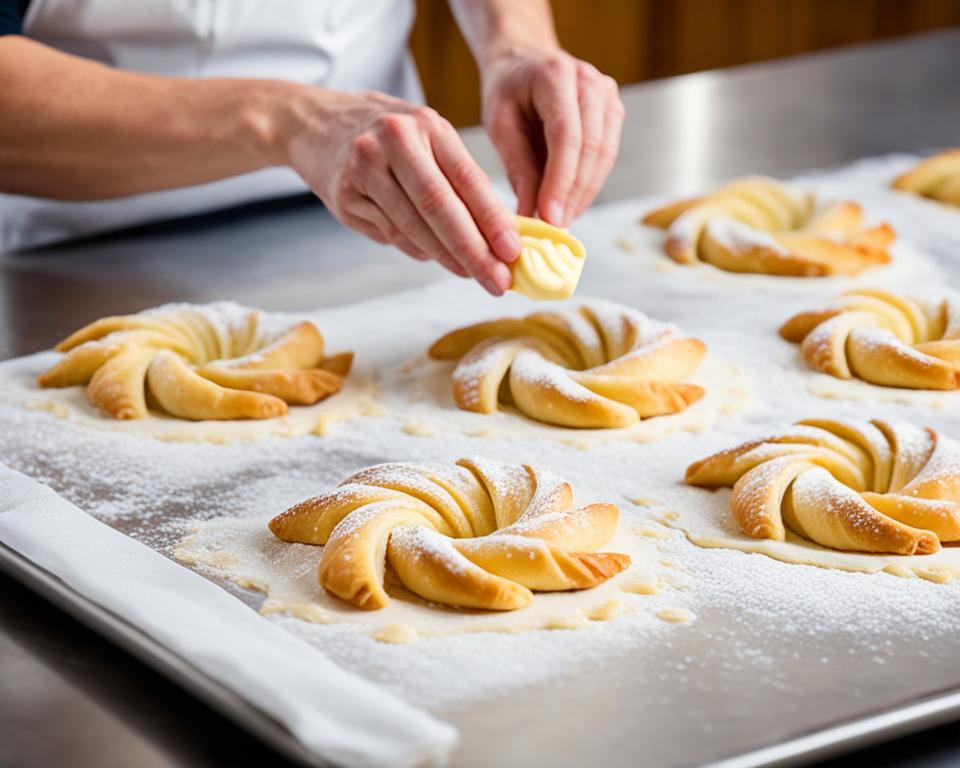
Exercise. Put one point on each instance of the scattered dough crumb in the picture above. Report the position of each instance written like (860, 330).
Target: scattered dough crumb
(419, 429)
(606, 611)
(310, 612)
(576, 620)
(395, 633)
(640, 587)
(676, 615)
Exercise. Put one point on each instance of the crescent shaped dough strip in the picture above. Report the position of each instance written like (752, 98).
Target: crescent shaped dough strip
(117, 385)
(182, 393)
(829, 513)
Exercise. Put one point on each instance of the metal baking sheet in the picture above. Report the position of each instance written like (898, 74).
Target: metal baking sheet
(830, 739)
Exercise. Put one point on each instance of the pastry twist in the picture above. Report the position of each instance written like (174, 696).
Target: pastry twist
(760, 225)
(213, 361)
(478, 534)
(937, 177)
(550, 261)
(883, 338)
(852, 485)
(601, 365)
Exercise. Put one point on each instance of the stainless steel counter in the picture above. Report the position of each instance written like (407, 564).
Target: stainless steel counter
(68, 697)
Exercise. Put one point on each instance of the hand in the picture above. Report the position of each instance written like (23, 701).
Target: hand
(400, 174)
(556, 122)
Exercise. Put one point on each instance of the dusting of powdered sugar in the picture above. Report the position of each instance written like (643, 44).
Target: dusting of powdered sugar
(758, 619)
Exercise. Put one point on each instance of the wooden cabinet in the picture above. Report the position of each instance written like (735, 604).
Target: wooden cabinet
(635, 40)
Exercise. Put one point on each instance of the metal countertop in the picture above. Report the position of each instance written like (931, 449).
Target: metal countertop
(69, 697)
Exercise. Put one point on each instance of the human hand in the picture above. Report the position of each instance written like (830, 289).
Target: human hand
(556, 122)
(400, 174)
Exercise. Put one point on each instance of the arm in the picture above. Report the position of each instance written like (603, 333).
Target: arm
(555, 120)
(77, 130)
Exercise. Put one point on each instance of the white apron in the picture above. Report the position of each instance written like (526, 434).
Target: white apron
(340, 44)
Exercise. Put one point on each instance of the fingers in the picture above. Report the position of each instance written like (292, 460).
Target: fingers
(390, 199)
(556, 101)
(431, 193)
(380, 221)
(511, 137)
(474, 189)
(602, 117)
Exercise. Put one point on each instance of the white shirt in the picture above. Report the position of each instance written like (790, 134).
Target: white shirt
(340, 44)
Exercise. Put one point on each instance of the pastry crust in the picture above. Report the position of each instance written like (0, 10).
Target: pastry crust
(213, 361)
(760, 225)
(550, 261)
(601, 365)
(478, 534)
(860, 486)
(883, 338)
(937, 178)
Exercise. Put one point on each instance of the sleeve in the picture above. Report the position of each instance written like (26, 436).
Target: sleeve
(11, 16)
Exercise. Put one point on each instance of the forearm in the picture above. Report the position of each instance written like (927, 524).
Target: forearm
(493, 28)
(77, 130)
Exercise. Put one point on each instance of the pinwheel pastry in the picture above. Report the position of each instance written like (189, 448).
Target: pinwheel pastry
(883, 338)
(550, 261)
(198, 361)
(477, 534)
(862, 486)
(937, 177)
(600, 365)
(761, 225)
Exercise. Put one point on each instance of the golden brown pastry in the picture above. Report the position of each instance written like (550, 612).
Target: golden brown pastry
(601, 365)
(478, 534)
(864, 486)
(761, 225)
(194, 361)
(937, 178)
(883, 338)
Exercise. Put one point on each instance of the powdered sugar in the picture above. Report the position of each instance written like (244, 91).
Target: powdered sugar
(759, 620)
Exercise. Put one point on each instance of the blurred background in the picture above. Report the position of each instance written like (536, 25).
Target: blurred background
(636, 40)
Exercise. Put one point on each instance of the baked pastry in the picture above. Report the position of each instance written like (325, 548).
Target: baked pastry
(883, 338)
(198, 361)
(761, 225)
(600, 365)
(550, 261)
(936, 177)
(863, 486)
(477, 534)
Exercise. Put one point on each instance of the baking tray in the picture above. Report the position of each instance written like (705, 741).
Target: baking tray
(833, 739)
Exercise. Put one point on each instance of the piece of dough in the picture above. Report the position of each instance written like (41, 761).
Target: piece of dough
(550, 261)
(761, 225)
(602, 365)
(478, 534)
(937, 178)
(883, 338)
(214, 361)
(848, 485)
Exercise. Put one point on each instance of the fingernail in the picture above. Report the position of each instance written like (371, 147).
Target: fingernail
(554, 213)
(506, 245)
